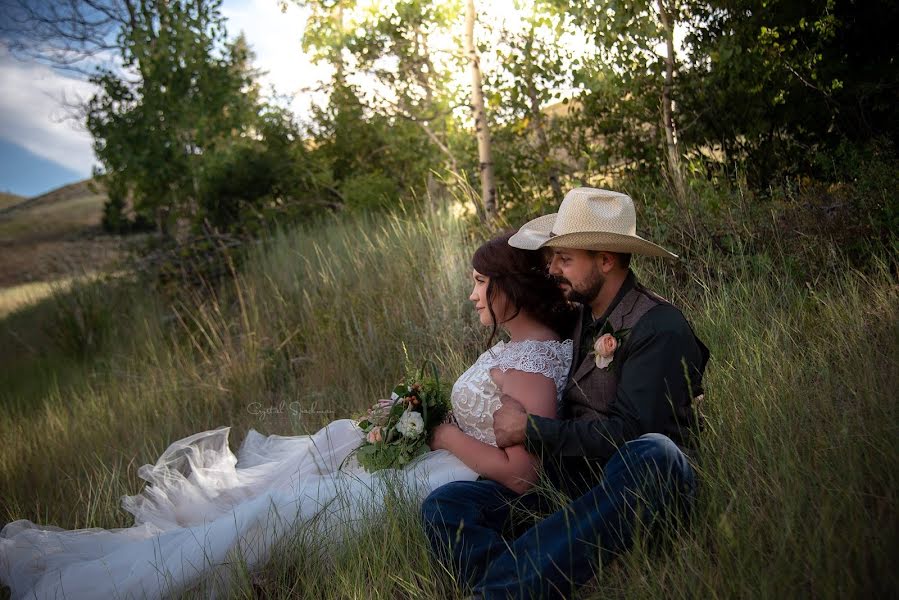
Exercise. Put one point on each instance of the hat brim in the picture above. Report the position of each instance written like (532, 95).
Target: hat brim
(537, 233)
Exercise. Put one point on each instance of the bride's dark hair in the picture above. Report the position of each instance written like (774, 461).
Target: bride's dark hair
(523, 277)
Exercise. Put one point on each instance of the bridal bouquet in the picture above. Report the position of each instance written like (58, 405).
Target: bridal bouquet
(397, 430)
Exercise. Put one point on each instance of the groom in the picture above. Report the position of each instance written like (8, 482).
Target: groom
(625, 417)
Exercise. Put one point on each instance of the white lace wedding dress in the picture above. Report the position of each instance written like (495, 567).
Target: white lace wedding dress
(204, 508)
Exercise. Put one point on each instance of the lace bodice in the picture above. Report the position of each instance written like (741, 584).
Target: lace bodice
(475, 394)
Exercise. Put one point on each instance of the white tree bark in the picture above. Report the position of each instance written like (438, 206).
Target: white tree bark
(485, 156)
(673, 155)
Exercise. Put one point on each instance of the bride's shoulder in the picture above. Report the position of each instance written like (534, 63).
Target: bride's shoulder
(535, 352)
(539, 346)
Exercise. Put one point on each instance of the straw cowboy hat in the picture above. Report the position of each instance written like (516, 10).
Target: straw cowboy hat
(589, 219)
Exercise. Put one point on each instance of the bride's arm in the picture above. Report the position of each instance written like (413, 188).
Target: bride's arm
(514, 467)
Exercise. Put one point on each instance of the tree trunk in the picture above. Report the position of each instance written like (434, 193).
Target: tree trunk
(453, 164)
(336, 50)
(536, 122)
(536, 125)
(436, 191)
(674, 170)
(424, 73)
(485, 157)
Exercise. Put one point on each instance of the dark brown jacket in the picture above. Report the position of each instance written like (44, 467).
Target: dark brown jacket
(649, 387)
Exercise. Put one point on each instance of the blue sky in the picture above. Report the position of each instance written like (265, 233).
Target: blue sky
(42, 147)
(27, 174)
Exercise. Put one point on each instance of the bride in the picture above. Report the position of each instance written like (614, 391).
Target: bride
(204, 508)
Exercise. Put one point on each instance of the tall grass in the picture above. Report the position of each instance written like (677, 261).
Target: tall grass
(798, 468)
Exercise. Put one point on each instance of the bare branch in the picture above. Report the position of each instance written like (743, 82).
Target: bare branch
(70, 35)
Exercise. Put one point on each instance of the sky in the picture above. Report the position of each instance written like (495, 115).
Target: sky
(42, 147)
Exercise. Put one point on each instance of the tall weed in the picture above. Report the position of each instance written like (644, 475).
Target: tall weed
(798, 466)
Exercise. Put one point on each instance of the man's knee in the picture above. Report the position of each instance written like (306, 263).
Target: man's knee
(654, 457)
(654, 448)
(435, 502)
(450, 497)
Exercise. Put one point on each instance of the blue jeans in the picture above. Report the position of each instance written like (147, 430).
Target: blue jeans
(467, 523)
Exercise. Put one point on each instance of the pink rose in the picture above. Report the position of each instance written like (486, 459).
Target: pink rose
(374, 435)
(604, 348)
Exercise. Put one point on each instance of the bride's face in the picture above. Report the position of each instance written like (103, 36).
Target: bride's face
(479, 298)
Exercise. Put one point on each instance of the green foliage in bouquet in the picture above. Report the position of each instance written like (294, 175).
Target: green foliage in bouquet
(398, 430)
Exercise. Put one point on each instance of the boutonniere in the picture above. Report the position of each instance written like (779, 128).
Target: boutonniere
(606, 344)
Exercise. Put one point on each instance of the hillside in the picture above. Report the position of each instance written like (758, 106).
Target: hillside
(56, 199)
(53, 235)
(7, 200)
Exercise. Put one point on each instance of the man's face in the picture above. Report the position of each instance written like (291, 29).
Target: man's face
(578, 274)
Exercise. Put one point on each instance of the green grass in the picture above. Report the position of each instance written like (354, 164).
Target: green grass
(799, 470)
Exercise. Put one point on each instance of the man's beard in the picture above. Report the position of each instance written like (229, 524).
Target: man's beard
(587, 294)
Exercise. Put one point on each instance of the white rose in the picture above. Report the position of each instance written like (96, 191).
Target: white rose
(411, 425)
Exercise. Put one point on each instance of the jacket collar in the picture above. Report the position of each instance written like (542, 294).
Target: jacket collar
(579, 370)
(629, 283)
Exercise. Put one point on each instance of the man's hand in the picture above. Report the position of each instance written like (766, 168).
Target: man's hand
(438, 438)
(510, 422)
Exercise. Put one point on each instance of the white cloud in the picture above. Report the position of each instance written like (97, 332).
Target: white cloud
(33, 115)
(33, 96)
(276, 37)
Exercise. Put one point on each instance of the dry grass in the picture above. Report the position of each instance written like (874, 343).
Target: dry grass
(18, 296)
(7, 200)
(799, 473)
